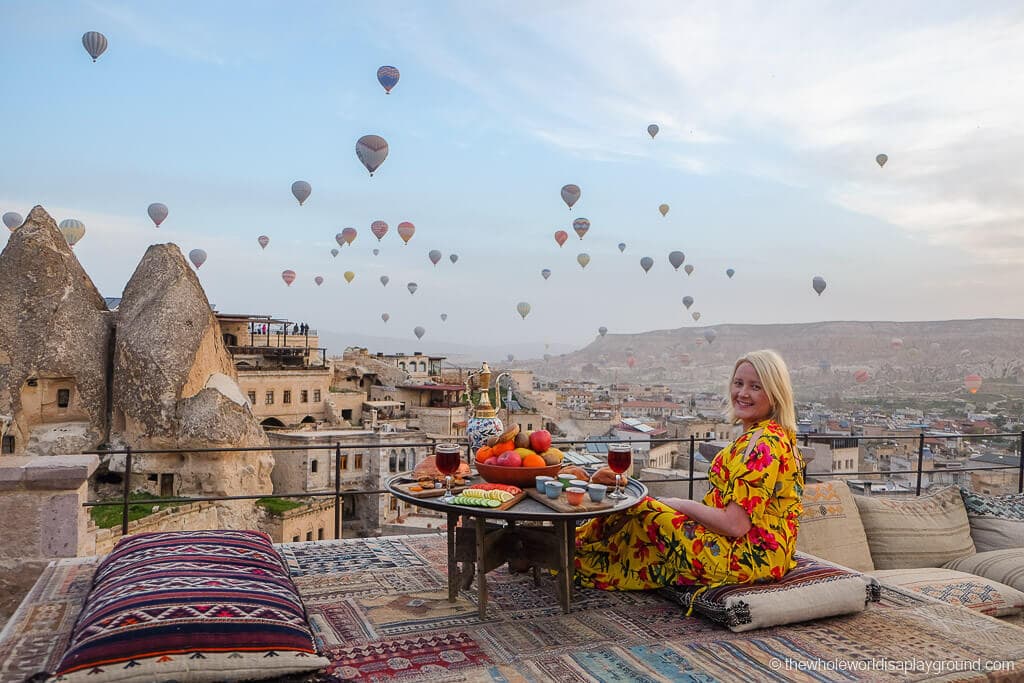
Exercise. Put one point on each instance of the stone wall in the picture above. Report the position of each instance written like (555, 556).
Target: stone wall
(183, 518)
(312, 522)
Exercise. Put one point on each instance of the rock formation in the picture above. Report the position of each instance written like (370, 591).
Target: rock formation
(54, 335)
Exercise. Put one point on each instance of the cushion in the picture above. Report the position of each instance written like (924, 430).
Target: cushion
(830, 526)
(191, 606)
(812, 590)
(997, 522)
(1004, 566)
(957, 588)
(916, 531)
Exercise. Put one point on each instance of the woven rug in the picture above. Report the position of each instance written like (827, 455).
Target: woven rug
(379, 610)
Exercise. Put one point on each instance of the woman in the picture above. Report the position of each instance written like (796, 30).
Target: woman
(745, 529)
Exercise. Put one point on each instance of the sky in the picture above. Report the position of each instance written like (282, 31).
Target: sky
(770, 117)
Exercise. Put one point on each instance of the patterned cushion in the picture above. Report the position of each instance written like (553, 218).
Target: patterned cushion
(916, 531)
(830, 526)
(957, 588)
(997, 522)
(1004, 566)
(812, 590)
(190, 606)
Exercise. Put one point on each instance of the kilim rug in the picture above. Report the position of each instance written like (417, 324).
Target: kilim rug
(379, 610)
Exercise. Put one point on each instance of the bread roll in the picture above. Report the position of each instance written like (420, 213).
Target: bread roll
(427, 469)
(606, 476)
(576, 471)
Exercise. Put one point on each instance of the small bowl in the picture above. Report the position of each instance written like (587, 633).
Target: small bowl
(523, 477)
(574, 494)
(553, 489)
(596, 492)
(580, 484)
(566, 478)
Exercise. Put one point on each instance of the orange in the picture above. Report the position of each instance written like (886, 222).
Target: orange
(502, 447)
(534, 460)
(483, 453)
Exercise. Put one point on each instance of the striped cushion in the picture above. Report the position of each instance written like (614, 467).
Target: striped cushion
(1004, 566)
(997, 522)
(812, 590)
(191, 606)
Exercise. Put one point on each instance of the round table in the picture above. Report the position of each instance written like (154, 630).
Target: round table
(490, 546)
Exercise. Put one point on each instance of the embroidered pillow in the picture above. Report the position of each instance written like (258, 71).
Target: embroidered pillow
(830, 526)
(191, 606)
(957, 588)
(812, 590)
(997, 522)
(1004, 566)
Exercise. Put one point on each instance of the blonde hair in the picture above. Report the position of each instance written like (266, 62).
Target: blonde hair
(774, 376)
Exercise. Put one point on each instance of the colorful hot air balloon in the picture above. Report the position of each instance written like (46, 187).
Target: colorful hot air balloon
(676, 258)
(435, 256)
(349, 276)
(583, 260)
(288, 276)
(695, 315)
(334, 253)
(95, 43)
(379, 229)
(301, 191)
(349, 235)
(561, 236)
(13, 220)
(581, 225)
(972, 383)
(73, 230)
(453, 258)
(412, 287)
(384, 280)
(652, 130)
(631, 361)
(861, 376)
(263, 241)
(881, 159)
(646, 262)
(571, 195)
(687, 301)
(622, 247)
(818, 283)
(730, 272)
(197, 257)
(318, 280)
(663, 208)
(406, 231)
(444, 317)
(688, 268)
(385, 317)
(376, 252)
(157, 213)
(523, 308)
(546, 273)
(710, 335)
(340, 239)
(602, 330)
(388, 77)
(419, 332)
(372, 150)
(896, 343)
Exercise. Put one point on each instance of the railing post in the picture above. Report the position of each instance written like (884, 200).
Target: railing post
(690, 492)
(126, 489)
(1020, 469)
(920, 461)
(337, 490)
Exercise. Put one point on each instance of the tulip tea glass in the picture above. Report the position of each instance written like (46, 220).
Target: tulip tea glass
(448, 457)
(620, 456)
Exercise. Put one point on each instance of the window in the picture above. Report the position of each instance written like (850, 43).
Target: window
(314, 466)
(529, 426)
(269, 400)
(303, 396)
(252, 398)
(287, 397)
(401, 365)
(346, 414)
(393, 505)
(63, 398)
(402, 461)
(309, 535)
(295, 539)
(344, 461)
(358, 464)
(320, 534)
(7, 446)
(423, 367)
(316, 396)
(392, 461)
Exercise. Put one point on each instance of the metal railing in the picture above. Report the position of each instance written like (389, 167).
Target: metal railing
(338, 494)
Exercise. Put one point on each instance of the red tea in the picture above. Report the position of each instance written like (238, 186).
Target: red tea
(619, 458)
(448, 459)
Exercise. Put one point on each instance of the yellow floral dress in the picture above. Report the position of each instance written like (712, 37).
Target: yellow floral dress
(650, 545)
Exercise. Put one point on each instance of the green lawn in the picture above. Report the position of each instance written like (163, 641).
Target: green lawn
(275, 506)
(107, 517)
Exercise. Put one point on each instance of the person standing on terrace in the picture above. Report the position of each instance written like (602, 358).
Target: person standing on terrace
(744, 530)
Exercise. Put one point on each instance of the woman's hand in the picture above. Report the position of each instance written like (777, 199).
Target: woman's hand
(733, 521)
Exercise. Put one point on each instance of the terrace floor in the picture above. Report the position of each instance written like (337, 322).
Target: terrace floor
(379, 610)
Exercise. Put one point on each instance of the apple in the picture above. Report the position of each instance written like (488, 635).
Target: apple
(540, 440)
(493, 460)
(509, 459)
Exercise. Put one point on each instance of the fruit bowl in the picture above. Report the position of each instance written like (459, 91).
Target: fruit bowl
(523, 477)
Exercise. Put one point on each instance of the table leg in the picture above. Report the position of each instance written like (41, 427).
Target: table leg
(481, 569)
(566, 535)
(453, 567)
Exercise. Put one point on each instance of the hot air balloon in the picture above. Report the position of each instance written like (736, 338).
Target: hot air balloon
(419, 332)
(301, 191)
(561, 236)
(881, 159)
(318, 280)
(349, 235)
(387, 76)
(263, 241)
(622, 247)
(695, 315)
(896, 343)
(571, 195)
(73, 230)
(688, 268)
(376, 252)
(602, 330)
(964, 353)
(95, 43)
(581, 225)
(379, 229)
(340, 239)
(406, 231)
(372, 150)
(546, 273)
(435, 256)
(384, 280)
(523, 308)
(687, 301)
(288, 276)
(631, 361)
(349, 276)
(157, 213)
(818, 283)
(730, 272)
(972, 383)
(652, 130)
(646, 263)
(453, 258)
(13, 220)
(583, 260)
(710, 335)
(385, 317)
(334, 253)
(663, 208)
(676, 258)
(444, 317)
(861, 376)
(412, 287)
(510, 357)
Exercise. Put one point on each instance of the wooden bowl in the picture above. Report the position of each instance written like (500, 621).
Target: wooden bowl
(523, 477)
